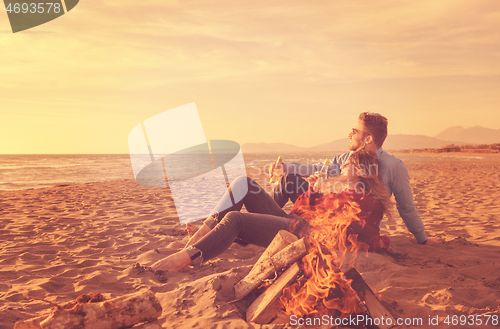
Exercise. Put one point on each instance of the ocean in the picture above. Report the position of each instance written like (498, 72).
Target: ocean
(18, 172)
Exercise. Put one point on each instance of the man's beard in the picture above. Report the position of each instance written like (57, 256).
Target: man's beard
(352, 146)
(355, 147)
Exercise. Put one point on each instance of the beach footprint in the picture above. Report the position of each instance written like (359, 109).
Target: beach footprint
(139, 270)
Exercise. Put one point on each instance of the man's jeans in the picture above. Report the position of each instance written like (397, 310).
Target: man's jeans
(291, 186)
(259, 226)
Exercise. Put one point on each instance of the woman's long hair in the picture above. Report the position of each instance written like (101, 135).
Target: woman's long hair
(367, 166)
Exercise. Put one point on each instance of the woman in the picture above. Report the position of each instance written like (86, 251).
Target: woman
(339, 220)
(363, 187)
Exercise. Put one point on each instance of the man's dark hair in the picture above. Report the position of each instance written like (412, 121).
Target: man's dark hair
(376, 125)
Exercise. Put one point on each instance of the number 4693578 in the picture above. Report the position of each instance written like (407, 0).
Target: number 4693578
(33, 8)
(472, 320)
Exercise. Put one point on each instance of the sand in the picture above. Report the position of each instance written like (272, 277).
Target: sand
(60, 242)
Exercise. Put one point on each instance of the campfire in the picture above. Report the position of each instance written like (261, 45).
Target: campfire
(313, 290)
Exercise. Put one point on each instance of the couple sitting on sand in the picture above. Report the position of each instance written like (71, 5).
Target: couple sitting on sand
(266, 216)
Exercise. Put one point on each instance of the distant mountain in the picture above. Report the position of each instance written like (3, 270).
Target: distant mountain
(474, 135)
(271, 148)
(339, 145)
(406, 142)
(393, 142)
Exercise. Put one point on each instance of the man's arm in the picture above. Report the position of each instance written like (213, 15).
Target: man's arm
(306, 170)
(405, 204)
(301, 169)
(337, 163)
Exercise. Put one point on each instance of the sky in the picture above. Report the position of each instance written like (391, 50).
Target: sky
(293, 72)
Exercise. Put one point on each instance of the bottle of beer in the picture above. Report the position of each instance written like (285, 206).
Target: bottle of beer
(277, 172)
(322, 176)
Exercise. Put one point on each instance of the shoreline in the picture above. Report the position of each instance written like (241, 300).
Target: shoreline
(318, 157)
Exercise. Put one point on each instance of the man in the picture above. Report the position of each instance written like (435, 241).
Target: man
(369, 132)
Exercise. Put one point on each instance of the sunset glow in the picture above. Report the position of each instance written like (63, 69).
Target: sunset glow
(289, 71)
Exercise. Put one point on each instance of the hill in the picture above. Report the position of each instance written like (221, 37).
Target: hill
(271, 148)
(473, 135)
(393, 142)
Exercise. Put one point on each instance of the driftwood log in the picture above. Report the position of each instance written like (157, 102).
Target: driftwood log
(267, 266)
(267, 305)
(281, 240)
(375, 309)
(121, 312)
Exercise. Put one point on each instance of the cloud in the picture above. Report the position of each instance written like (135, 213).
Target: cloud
(256, 55)
(215, 40)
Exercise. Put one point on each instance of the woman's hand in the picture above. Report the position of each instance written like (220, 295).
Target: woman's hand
(313, 178)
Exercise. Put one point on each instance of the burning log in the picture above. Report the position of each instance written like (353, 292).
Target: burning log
(265, 307)
(272, 260)
(121, 312)
(281, 240)
(288, 255)
(268, 307)
(375, 309)
(29, 324)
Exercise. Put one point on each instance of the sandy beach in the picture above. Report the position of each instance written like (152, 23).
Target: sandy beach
(61, 242)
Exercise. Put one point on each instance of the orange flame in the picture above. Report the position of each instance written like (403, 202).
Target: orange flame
(323, 289)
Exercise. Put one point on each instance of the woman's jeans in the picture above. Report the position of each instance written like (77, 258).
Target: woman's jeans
(259, 226)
